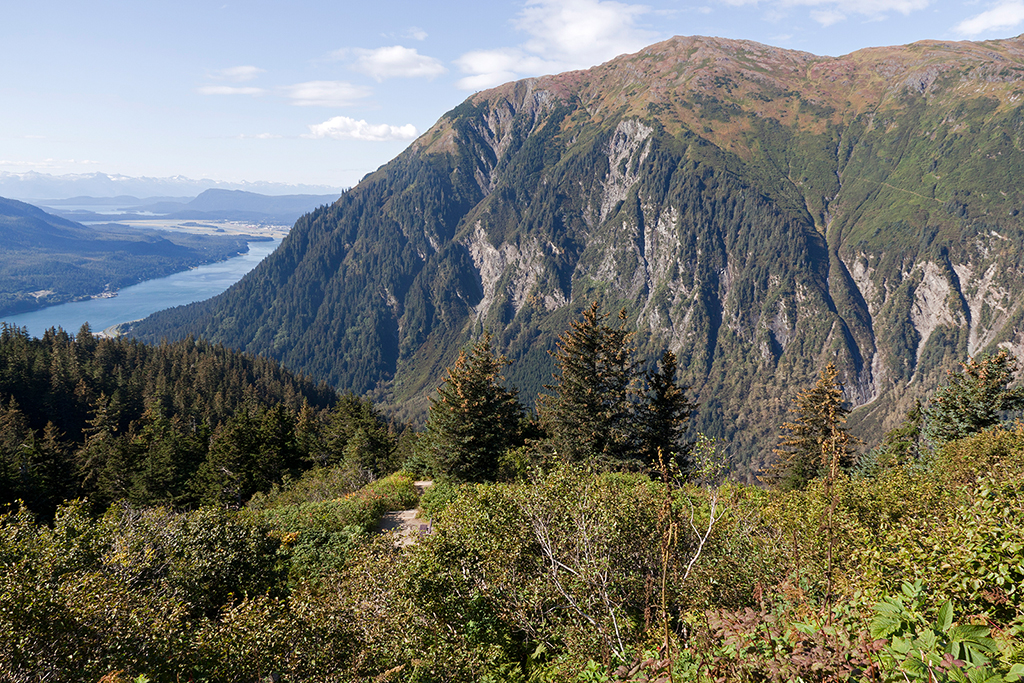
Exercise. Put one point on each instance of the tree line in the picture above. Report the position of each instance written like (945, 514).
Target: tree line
(603, 408)
(900, 564)
(181, 424)
(816, 444)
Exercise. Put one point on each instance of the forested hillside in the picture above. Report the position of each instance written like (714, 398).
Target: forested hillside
(758, 211)
(229, 526)
(176, 424)
(905, 567)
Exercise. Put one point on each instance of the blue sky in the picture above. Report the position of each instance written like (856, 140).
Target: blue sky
(325, 92)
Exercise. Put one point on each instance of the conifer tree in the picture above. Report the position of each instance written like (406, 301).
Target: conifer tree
(667, 415)
(815, 444)
(474, 419)
(15, 472)
(592, 413)
(901, 446)
(974, 398)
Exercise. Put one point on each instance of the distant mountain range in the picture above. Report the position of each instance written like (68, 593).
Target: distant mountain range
(232, 205)
(759, 211)
(35, 186)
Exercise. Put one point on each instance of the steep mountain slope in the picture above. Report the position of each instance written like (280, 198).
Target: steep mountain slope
(757, 210)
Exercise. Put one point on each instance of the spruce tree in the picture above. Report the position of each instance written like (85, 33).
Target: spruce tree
(15, 470)
(815, 444)
(902, 445)
(474, 419)
(666, 415)
(592, 412)
(974, 398)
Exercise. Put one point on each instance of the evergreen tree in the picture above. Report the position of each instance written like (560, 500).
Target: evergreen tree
(815, 444)
(91, 458)
(358, 437)
(15, 469)
(226, 476)
(666, 415)
(474, 419)
(277, 452)
(902, 445)
(974, 399)
(592, 413)
(58, 468)
(114, 418)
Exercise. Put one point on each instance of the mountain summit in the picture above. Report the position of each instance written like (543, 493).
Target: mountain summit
(759, 211)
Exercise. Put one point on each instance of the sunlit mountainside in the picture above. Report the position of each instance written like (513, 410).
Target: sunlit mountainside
(759, 211)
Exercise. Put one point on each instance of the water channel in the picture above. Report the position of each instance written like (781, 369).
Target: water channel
(145, 298)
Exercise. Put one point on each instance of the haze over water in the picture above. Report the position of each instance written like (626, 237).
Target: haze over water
(145, 298)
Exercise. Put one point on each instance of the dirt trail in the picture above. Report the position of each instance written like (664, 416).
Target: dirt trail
(409, 528)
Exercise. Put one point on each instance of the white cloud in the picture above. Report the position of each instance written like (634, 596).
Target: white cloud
(583, 32)
(827, 17)
(862, 7)
(486, 80)
(1007, 15)
(230, 90)
(416, 33)
(829, 12)
(396, 62)
(237, 74)
(562, 35)
(492, 67)
(325, 93)
(259, 136)
(344, 128)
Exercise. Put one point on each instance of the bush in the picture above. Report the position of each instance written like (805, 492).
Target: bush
(318, 536)
(437, 497)
(128, 591)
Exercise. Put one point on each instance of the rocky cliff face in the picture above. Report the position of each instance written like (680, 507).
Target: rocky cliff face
(759, 211)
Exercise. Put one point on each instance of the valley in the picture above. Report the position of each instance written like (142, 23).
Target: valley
(757, 211)
(126, 240)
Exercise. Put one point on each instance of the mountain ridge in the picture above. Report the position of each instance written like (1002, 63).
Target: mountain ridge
(34, 186)
(759, 211)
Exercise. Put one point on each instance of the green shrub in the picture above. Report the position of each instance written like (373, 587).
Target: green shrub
(318, 536)
(437, 497)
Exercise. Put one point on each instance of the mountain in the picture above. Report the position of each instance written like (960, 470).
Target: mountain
(214, 204)
(240, 205)
(50, 260)
(25, 226)
(35, 186)
(117, 202)
(759, 211)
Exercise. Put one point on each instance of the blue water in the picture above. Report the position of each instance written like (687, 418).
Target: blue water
(145, 298)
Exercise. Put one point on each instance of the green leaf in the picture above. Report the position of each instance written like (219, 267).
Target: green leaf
(970, 632)
(901, 645)
(945, 620)
(884, 626)
(805, 628)
(983, 675)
